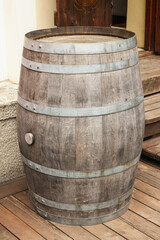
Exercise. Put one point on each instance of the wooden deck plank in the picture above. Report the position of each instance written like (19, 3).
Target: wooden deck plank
(152, 116)
(150, 162)
(148, 189)
(151, 99)
(5, 234)
(147, 200)
(150, 73)
(143, 53)
(153, 106)
(152, 155)
(151, 148)
(103, 232)
(149, 169)
(126, 230)
(16, 226)
(153, 152)
(14, 186)
(37, 223)
(142, 224)
(76, 232)
(151, 142)
(24, 198)
(145, 211)
(152, 129)
(147, 178)
(148, 153)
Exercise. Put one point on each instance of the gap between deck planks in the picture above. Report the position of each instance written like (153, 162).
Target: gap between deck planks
(150, 173)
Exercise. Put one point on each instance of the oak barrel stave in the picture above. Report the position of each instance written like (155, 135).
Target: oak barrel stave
(81, 143)
(76, 190)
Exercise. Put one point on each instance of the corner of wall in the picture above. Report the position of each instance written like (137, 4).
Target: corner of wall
(136, 19)
(45, 13)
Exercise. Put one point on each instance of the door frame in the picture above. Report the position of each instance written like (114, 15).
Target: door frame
(152, 26)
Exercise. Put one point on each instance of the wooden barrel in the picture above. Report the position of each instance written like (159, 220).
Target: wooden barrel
(80, 122)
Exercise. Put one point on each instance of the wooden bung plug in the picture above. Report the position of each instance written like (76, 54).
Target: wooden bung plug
(29, 138)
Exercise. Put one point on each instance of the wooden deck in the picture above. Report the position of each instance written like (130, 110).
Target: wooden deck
(152, 114)
(18, 219)
(150, 73)
(151, 148)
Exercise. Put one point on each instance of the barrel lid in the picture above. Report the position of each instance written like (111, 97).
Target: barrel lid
(33, 40)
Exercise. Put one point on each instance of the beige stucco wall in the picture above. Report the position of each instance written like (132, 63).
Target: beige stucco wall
(10, 159)
(136, 19)
(45, 13)
(19, 17)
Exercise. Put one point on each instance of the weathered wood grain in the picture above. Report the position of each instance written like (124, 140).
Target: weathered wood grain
(81, 190)
(126, 230)
(147, 200)
(38, 224)
(76, 232)
(153, 106)
(103, 232)
(145, 211)
(154, 98)
(5, 234)
(152, 129)
(142, 224)
(152, 116)
(146, 188)
(152, 113)
(150, 179)
(150, 73)
(83, 13)
(151, 170)
(82, 143)
(17, 227)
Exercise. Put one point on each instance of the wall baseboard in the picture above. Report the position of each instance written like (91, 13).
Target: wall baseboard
(13, 186)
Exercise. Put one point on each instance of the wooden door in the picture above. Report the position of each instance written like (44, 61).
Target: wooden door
(152, 31)
(83, 13)
(157, 28)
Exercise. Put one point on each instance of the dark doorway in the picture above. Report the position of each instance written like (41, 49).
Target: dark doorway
(119, 13)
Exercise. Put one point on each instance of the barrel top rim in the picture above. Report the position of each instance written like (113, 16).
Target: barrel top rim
(127, 42)
(75, 30)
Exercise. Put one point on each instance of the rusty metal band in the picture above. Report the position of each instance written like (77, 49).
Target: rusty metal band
(80, 69)
(81, 48)
(80, 174)
(82, 221)
(81, 207)
(80, 112)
